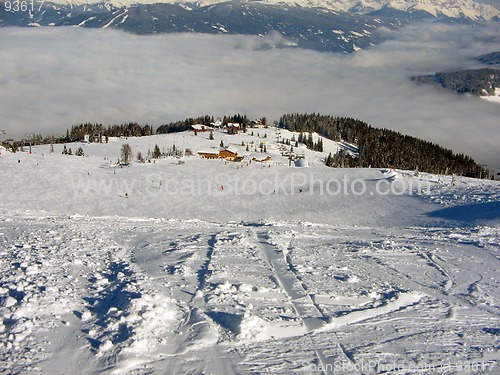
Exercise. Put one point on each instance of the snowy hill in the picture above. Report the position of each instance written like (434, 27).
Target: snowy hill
(190, 265)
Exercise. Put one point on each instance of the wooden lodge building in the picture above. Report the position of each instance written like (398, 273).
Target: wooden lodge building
(228, 153)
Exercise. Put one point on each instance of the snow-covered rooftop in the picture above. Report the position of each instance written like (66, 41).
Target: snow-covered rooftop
(208, 151)
(200, 127)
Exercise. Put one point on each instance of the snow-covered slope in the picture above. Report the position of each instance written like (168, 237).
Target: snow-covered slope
(190, 266)
(165, 188)
(449, 8)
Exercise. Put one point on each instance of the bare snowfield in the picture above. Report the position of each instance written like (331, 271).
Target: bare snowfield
(208, 267)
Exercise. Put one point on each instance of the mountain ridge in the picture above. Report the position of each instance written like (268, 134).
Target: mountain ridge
(478, 82)
(465, 9)
(310, 28)
(333, 25)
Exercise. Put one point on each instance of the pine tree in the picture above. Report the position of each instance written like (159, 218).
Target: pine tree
(310, 142)
(329, 160)
(320, 145)
(126, 153)
(156, 152)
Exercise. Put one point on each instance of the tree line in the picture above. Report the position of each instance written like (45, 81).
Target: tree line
(94, 133)
(382, 148)
(100, 133)
(183, 125)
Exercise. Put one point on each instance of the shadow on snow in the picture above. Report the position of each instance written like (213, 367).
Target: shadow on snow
(469, 213)
(114, 295)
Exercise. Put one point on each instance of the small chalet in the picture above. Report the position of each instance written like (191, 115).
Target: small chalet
(234, 125)
(228, 153)
(209, 154)
(217, 123)
(257, 123)
(200, 128)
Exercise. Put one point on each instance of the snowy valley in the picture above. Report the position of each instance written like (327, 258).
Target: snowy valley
(187, 265)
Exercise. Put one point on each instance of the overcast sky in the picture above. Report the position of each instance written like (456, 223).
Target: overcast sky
(52, 78)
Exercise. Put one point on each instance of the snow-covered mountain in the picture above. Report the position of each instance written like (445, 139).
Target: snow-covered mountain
(448, 8)
(325, 25)
(468, 9)
(310, 28)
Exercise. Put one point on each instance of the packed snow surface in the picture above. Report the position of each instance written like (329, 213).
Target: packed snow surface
(185, 266)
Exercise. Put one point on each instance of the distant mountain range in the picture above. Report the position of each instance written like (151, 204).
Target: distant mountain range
(310, 28)
(331, 25)
(470, 9)
(479, 82)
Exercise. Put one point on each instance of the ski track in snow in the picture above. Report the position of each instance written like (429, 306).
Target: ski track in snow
(304, 306)
(149, 296)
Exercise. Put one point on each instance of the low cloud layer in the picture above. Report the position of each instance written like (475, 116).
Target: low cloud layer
(52, 78)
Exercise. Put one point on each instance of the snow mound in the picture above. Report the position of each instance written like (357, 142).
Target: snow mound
(151, 318)
(253, 329)
(136, 336)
